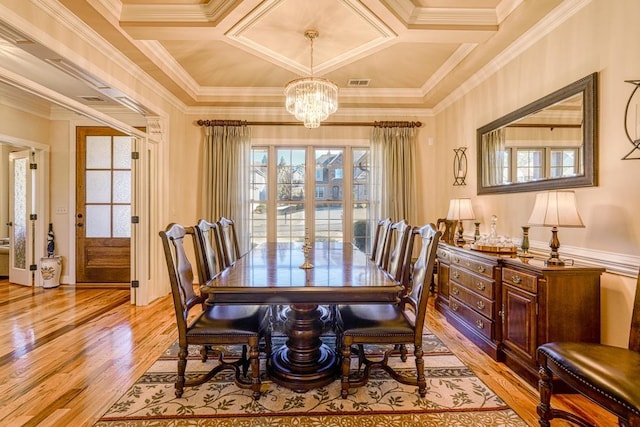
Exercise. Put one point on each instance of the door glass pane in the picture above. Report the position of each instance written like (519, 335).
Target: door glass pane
(329, 174)
(98, 187)
(122, 152)
(98, 152)
(360, 211)
(20, 214)
(290, 224)
(291, 170)
(121, 221)
(328, 222)
(98, 221)
(258, 177)
(121, 187)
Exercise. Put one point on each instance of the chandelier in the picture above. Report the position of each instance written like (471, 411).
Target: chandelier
(311, 99)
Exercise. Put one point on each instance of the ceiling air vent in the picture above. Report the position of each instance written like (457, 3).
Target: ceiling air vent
(358, 82)
(92, 98)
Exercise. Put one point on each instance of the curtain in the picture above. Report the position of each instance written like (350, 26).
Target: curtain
(393, 177)
(492, 157)
(225, 171)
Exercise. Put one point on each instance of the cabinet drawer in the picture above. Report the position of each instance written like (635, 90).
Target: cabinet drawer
(524, 281)
(476, 302)
(478, 284)
(477, 267)
(477, 321)
(443, 255)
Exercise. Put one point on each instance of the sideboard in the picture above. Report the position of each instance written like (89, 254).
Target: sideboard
(508, 306)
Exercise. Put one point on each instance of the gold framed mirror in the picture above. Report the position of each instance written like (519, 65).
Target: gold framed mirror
(548, 144)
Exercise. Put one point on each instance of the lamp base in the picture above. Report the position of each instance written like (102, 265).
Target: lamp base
(554, 262)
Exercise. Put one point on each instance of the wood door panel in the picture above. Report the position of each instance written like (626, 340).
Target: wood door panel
(103, 259)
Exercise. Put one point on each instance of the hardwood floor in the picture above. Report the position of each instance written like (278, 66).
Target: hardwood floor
(67, 354)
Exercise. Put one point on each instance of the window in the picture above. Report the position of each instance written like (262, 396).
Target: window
(563, 162)
(280, 178)
(529, 165)
(540, 163)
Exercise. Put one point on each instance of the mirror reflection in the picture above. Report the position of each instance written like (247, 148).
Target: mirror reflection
(547, 144)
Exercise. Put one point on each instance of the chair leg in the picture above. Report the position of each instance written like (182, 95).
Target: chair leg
(245, 362)
(346, 366)
(545, 413)
(204, 350)
(182, 367)
(421, 379)
(254, 358)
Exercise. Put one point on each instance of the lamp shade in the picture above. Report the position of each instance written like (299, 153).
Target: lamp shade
(460, 209)
(556, 209)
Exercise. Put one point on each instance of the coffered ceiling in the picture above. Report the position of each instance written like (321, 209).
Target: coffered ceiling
(403, 54)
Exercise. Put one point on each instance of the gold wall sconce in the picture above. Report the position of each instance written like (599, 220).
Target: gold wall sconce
(460, 166)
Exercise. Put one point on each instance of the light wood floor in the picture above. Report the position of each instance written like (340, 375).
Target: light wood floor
(67, 354)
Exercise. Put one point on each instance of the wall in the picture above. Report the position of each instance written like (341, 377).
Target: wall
(600, 37)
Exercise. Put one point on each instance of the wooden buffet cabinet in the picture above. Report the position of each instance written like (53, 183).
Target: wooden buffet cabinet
(509, 306)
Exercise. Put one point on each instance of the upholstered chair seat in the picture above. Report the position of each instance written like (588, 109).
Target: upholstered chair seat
(602, 373)
(609, 376)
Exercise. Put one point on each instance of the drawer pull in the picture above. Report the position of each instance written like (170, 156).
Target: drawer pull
(479, 324)
(480, 305)
(455, 291)
(482, 268)
(481, 286)
(454, 307)
(467, 263)
(456, 275)
(516, 279)
(456, 260)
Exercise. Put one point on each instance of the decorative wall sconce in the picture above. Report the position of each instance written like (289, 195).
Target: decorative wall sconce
(460, 166)
(634, 142)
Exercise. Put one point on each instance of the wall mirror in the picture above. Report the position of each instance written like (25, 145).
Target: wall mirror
(548, 144)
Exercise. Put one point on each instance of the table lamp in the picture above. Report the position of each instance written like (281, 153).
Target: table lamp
(555, 209)
(460, 210)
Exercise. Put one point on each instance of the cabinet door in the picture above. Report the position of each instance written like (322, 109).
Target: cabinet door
(519, 322)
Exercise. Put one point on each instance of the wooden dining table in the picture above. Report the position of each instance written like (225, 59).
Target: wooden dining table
(271, 274)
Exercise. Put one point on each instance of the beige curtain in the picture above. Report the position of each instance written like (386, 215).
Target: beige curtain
(492, 157)
(393, 178)
(225, 181)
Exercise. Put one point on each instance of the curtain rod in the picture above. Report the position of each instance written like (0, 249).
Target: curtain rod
(383, 124)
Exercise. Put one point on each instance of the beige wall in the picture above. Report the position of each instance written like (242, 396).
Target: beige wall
(599, 38)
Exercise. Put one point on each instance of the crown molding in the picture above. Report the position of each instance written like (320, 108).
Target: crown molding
(559, 15)
(90, 36)
(19, 100)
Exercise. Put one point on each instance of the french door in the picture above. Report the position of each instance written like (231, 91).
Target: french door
(318, 192)
(103, 205)
(20, 222)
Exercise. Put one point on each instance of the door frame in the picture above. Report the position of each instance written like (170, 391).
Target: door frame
(148, 259)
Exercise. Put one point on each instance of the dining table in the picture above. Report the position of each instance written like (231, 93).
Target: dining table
(304, 279)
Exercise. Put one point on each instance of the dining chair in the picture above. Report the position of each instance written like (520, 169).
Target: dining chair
(213, 325)
(606, 375)
(381, 242)
(448, 228)
(229, 241)
(399, 233)
(391, 324)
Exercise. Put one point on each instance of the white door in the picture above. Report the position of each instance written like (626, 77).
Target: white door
(20, 223)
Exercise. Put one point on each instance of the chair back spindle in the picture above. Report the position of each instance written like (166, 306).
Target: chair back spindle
(634, 335)
(230, 247)
(417, 298)
(400, 232)
(209, 250)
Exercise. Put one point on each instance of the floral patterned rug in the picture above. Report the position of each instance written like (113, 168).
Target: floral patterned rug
(455, 397)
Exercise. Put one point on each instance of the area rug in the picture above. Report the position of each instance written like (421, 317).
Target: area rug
(455, 397)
